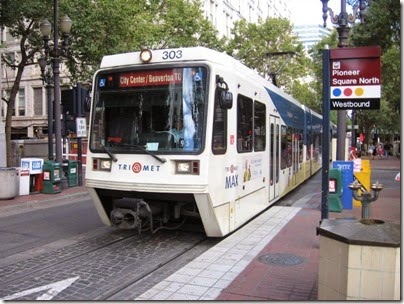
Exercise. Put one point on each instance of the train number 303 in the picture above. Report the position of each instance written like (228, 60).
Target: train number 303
(177, 54)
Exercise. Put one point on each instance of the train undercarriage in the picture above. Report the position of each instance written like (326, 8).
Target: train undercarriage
(146, 211)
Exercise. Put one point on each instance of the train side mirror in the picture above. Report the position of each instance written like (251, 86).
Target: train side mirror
(226, 99)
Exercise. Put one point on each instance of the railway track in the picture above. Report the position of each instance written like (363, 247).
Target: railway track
(118, 265)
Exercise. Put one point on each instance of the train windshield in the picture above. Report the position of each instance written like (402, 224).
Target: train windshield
(155, 111)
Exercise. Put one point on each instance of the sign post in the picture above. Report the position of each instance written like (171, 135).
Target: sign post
(355, 78)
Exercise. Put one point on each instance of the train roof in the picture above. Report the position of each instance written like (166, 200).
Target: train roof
(187, 54)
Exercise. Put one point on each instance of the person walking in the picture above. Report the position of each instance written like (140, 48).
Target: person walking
(380, 151)
(387, 148)
(370, 151)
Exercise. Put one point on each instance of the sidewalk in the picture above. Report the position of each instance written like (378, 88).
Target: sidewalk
(260, 281)
(274, 257)
(70, 193)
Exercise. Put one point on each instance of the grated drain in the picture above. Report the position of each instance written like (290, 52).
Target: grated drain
(282, 259)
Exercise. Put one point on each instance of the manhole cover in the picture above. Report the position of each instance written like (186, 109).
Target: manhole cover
(282, 259)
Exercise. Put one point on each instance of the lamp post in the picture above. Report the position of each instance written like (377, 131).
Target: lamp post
(55, 53)
(47, 78)
(343, 20)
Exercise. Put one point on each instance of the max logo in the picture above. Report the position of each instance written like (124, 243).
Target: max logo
(231, 181)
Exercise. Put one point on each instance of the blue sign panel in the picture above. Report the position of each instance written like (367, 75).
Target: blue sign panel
(346, 168)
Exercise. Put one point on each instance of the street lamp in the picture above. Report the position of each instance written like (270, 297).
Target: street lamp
(343, 20)
(47, 78)
(55, 53)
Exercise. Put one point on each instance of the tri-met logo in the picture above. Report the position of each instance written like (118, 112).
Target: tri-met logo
(137, 167)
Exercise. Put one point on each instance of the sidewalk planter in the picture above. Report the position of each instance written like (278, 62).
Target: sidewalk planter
(9, 183)
(359, 260)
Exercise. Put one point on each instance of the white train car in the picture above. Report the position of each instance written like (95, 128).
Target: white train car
(191, 132)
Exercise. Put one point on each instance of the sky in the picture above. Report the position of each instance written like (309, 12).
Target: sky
(310, 11)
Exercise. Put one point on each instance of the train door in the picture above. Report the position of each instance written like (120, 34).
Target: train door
(295, 155)
(274, 140)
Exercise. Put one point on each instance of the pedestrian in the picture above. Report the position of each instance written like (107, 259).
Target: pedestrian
(380, 151)
(387, 148)
(370, 151)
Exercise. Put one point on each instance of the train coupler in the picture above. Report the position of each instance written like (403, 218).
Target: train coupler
(129, 213)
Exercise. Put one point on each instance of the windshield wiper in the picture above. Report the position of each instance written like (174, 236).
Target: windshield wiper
(112, 156)
(162, 160)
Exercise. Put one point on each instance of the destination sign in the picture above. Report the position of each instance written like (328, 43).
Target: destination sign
(355, 78)
(149, 78)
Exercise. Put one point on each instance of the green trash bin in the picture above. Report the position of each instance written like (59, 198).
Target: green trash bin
(72, 173)
(335, 190)
(52, 172)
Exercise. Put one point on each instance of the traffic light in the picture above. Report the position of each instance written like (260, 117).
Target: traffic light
(68, 101)
(75, 101)
(68, 125)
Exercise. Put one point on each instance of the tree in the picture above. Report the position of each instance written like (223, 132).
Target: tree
(382, 27)
(252, 42)
(101, 27)
(132, 26)
(21, 19)
(330, 41)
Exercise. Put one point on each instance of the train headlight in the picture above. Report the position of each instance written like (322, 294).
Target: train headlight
(145, 55)
(102, 164)
(187, 167)
(105, 164)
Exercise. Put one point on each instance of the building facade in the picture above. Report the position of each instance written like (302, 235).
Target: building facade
(309, 35)
(30, 109)
(224, 13)
(30, 113)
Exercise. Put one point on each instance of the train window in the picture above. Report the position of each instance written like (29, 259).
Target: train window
(289, 147)
(271, 153)
(308, 144)
(300, 145)
(219, 143)
(277, 134)
(165, 114)
(259, 126)
(244, 124)
(284, 147)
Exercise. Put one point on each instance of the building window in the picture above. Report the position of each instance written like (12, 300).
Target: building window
(38, 102)
(3, 104)
(21, 102)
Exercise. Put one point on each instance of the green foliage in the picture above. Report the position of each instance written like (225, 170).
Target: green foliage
(251, 43)
(316, 53)
(102, 27)
(382, 27)
(106, 27)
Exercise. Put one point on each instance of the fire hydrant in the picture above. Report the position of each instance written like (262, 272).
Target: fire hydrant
(365, 198)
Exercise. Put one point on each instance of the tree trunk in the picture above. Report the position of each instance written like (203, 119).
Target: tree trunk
(9, 115)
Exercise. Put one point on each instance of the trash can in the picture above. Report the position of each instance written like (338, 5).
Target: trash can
(24, 181)
(335, 190)
(72, 173)
(9, 183)
(34, 165)
(52, 172)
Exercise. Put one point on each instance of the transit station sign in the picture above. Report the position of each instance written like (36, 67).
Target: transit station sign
(355, 78)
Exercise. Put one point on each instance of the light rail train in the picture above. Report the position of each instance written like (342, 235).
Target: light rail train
(192, 132)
